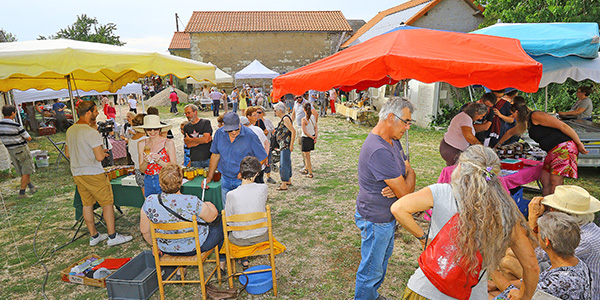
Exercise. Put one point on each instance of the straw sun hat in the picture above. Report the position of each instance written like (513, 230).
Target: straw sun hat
(572, 199)
(150, 122)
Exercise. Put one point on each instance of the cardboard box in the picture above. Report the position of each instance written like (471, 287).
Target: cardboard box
(65, 276)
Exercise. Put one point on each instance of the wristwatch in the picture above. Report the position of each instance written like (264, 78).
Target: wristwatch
(424, 236)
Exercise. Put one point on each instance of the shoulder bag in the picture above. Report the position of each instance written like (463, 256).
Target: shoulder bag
(215, 222)
(439, 264)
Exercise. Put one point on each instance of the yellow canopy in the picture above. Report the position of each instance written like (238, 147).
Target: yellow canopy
(91, 66)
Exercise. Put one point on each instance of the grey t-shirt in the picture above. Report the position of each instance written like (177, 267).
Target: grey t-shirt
(81, 140)
(444, 207)
(247, 199)
(587, 104)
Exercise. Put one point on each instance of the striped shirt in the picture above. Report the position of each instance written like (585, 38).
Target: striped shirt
(588, 251)
(12, 134)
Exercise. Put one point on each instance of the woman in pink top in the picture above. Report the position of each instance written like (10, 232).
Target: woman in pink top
(461, 133)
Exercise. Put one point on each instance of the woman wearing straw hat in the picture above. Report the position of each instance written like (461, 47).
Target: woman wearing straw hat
(154, 153)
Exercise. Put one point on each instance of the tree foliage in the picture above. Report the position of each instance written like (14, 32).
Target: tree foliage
(88, 29)
(7, 36)
(537, 11)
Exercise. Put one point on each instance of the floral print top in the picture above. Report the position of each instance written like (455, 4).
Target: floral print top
(283, 134)
(568, 283)
(186, 206)
(154, 168)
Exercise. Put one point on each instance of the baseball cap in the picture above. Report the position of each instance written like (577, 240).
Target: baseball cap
(231, 121)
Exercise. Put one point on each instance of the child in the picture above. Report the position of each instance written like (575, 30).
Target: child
(186, 150)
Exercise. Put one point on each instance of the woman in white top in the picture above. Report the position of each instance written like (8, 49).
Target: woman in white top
(309, 136)
(132, 147)
(461, 133)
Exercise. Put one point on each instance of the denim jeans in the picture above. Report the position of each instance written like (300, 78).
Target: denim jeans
(214, 238)
(235, 107)
(151, 185)
(285, 169)
(377, 245)
(215, 107)
(228, 184)
(200, 163)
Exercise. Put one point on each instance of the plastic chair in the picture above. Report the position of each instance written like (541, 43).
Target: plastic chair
(181, 261)
(231, 255)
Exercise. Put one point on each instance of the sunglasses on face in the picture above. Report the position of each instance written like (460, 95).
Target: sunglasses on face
(153, 129)
(259, 112)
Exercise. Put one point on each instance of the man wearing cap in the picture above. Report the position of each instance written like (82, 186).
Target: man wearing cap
(231, 143)
(84, 148)
(578, 203)
(197, 137)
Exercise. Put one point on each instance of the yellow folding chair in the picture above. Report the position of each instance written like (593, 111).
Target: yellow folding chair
(230, 255)
(181, 261)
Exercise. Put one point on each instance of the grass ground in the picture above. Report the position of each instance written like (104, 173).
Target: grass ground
(313, 219)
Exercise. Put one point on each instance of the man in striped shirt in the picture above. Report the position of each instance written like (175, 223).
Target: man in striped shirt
(14, 137)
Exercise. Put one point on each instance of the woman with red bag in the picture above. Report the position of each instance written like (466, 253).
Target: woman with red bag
(483, 221)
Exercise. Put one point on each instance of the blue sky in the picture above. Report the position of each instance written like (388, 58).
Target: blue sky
(150, 24)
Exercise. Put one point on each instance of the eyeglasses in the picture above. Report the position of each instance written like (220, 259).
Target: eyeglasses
(406, 122)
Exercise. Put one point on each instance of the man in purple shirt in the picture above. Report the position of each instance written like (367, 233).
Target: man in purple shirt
(384, 175)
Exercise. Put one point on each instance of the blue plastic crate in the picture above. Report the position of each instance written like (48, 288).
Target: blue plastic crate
(522, 203)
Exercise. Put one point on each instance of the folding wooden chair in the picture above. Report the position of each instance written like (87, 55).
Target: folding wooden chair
(181, 261)
(226, 244)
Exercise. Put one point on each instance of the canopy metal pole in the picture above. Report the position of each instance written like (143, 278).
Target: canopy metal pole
(73, 109)
(407, 146)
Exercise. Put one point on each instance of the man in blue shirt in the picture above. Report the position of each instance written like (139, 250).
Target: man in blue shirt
(384, 175)
(231, 143)
(59, 114)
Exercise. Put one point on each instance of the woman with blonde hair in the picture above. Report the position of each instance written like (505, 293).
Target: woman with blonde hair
(488, 223)
(243, 104)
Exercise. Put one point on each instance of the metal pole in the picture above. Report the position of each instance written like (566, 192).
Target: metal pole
(74, 110)
(546, 104)
(407, 146)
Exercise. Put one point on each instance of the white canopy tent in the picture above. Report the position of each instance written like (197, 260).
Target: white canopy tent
(220, 77)
(558, 69)
(255, 70)
(35, 95)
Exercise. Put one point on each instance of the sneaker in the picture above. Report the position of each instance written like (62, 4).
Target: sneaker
(271, 180)
(33, 190)
(23, 196)
(95, 241)
(119, 239)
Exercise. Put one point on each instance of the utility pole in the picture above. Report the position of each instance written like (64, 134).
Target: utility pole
(176, 23)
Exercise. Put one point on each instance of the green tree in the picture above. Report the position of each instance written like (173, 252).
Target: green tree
(88, 29)
(7, 36)
(537, 11)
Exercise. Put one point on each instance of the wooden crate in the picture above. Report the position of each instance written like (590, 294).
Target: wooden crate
(65, 276)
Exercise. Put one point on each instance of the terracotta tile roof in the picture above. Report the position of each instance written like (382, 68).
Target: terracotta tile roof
(237, 21)
(181, 40)
(395, 9)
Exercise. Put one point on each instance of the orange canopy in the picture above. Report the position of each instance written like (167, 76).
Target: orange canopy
(426, 55)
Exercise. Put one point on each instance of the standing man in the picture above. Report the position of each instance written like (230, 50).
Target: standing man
(84, 148)
(384, 175)
(59, 113)
(174, 101)
(133, 103)
(231, 143)
(216, 99)
(197, 136)
(14, 137)
(234, 99)
(583, 108)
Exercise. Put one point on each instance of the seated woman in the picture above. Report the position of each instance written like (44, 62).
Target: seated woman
(569, 278)
(461, 132)
(583, 107)
(187, 206)
(248, 198)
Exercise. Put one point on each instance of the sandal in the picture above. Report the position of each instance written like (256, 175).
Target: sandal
(303, 171)
(245, 263)
(309, 175)
(281, 188)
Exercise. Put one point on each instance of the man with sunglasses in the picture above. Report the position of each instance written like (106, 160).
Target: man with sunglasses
(231, 143)
(84, 149)
(384, 175)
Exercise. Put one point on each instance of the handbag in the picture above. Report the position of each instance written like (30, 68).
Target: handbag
(438, 263)
(216, 293)
(215, 222)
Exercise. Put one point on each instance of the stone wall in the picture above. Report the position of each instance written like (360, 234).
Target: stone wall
(454, 15)
(181, 52)
(279, 51)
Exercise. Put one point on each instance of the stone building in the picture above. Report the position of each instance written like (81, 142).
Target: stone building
(280, 40)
